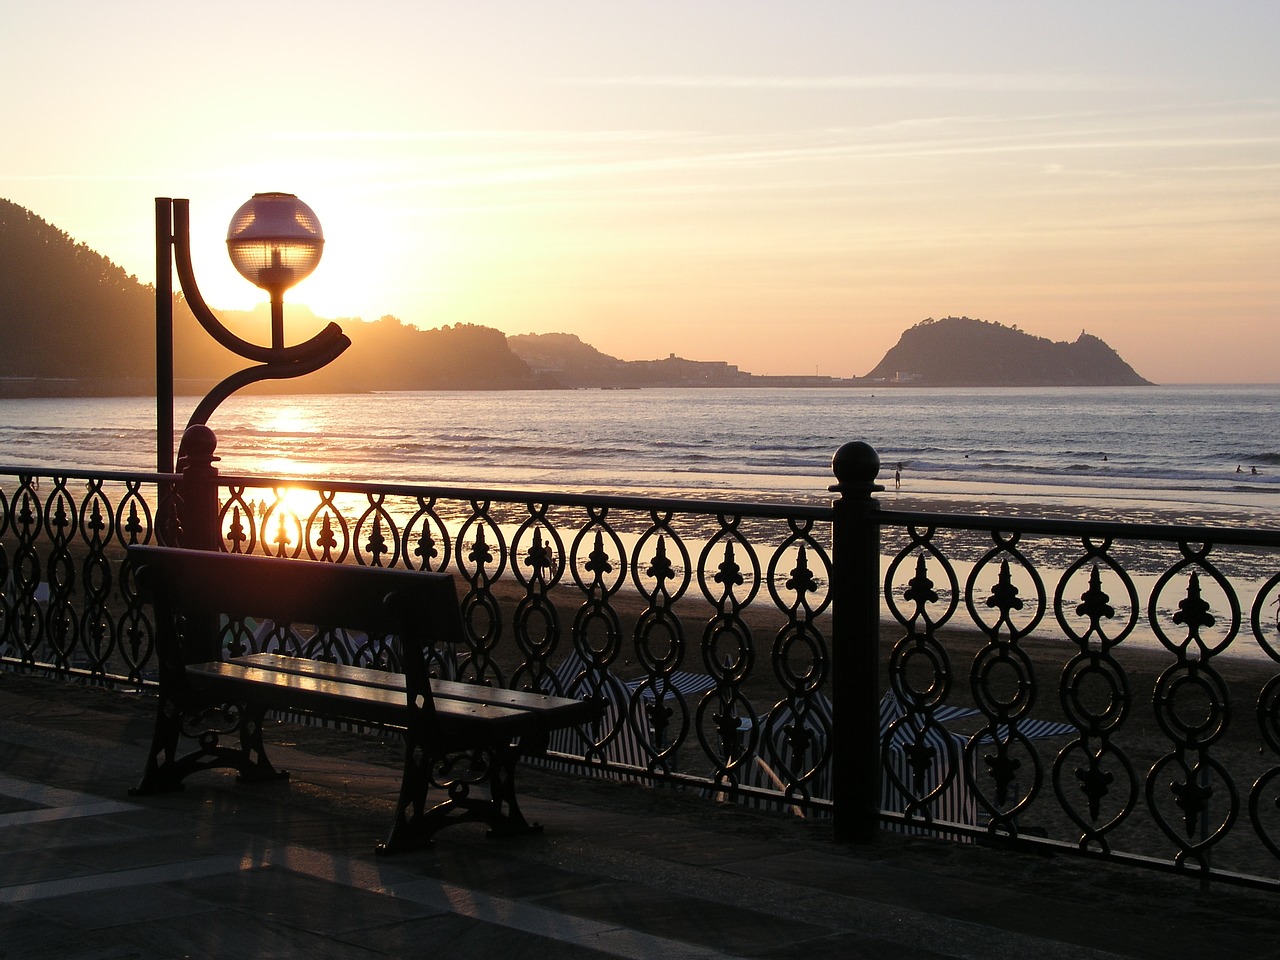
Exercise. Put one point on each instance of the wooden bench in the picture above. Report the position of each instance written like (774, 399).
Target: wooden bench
(457, 735)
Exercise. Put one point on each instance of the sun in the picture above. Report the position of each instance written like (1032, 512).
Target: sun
(289, 420)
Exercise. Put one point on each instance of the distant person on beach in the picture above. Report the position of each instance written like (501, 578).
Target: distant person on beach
(897, 480)
(1238, 470)
(1254, 471)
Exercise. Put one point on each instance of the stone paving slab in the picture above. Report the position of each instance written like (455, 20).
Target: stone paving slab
(287, 870)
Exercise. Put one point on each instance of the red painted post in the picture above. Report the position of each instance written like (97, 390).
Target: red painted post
(855, 642)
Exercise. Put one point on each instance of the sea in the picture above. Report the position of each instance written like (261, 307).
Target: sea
(1185, 454)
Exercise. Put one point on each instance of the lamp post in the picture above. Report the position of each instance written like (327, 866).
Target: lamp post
(274, 241)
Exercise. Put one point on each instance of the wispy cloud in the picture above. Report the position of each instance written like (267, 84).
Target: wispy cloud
(878, 81)
(461, 136)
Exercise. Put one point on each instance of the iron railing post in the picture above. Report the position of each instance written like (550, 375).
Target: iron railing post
(200, 528)
(855, 644)
(164, 335)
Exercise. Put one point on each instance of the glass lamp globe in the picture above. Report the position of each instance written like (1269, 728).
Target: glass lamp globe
(275, 241)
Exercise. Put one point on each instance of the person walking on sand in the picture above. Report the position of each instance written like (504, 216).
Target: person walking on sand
(897, 480)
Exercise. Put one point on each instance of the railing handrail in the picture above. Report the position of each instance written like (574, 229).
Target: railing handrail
(1115, 529)
(772, 511)
(43, 470)
(1119, 529)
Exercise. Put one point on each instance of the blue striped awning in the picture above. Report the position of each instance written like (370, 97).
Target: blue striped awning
(685, 682)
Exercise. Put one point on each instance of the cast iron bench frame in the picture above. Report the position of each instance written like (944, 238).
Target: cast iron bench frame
(456, 734)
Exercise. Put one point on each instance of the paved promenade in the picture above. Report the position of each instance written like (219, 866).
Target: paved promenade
(287, 870)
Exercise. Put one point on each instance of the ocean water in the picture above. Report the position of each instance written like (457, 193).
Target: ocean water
(1135, 453)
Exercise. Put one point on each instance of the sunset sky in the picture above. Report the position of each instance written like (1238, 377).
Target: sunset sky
(785, 186)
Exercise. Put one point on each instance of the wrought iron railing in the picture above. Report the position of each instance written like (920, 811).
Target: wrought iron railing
(1109, 688)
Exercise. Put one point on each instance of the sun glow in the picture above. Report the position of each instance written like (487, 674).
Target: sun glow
(768, 190)
(272, 522)
(290, 421)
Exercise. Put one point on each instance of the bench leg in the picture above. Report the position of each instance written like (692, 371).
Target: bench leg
(165, 770)
(415, 824)
(255, 766)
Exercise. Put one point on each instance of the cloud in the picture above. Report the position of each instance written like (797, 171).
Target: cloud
(881, 81)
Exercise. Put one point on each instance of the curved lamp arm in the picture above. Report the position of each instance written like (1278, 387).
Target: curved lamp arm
(322, 342)
(276, 362)
(266, 371)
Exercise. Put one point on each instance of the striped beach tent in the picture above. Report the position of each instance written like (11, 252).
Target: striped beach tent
(613, 742)
(660, 697)
(922, 770)
(791, 756)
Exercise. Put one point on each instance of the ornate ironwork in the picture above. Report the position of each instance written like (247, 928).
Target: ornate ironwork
(1081, 685)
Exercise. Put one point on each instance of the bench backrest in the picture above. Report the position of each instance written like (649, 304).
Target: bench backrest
(421, 608)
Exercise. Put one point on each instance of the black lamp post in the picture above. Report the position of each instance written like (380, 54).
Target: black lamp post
(274, 241)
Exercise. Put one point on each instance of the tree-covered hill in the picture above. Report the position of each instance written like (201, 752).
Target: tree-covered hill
(75, 324)
(69, 314)
(962, 352)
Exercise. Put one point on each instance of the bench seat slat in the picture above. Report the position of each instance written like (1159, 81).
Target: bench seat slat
(550, 708)
(353, 701)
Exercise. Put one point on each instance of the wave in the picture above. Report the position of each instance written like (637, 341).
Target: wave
(1174, 441)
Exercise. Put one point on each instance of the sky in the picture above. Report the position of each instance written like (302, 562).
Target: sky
(783, 185)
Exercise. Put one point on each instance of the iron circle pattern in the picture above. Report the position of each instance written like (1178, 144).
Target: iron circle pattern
(1266, 628)
(1096, 780)
(1095, 604)
(920, 647)
(662, 573)
(433, 547)
(281, 528)
(597, 556)
(1264, 798)
(481, 565)
(326, 533)
(984, 675)
(730, 574)
(375, 537)
(813, 676)
(238, 523)
(1192, 788)
(97, 519)
(539, 550)
(921, 737)
(133, 517)
(1087, 666)
(920, 590)
(797, 740)
(656, 707)
(1176, 684)
(1004, 595)
(1194, 613)
(538, 563)
(802, 581)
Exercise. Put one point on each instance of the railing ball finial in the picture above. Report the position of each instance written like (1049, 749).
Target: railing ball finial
(197, 447)
(856, 466)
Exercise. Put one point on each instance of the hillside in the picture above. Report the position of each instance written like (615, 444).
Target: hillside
(962, 352)
(563, 359)
(68, 315)
(75, 324)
